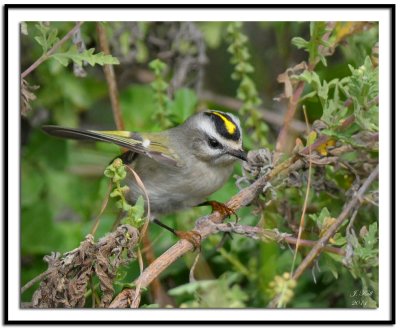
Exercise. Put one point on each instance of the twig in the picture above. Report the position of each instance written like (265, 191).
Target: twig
(258, 233)
(45, 56)
(303, 212)
(35, 280)
(293, 101)
(110, 77)
(103, 207)
(159, 294)
(316, 250)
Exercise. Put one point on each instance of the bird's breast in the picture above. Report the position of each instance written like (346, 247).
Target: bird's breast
(170, 189)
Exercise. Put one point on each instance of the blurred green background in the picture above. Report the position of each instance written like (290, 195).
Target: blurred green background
(63, 186)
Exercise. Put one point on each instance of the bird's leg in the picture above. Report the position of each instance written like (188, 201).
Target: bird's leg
(224, 210)
(193, 237)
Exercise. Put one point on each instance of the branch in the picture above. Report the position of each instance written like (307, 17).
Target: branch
(258, 233)
(110, 77)
(316, 250)
(293, 102)
(45, 56)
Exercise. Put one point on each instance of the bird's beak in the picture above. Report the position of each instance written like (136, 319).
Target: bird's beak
(240, 154)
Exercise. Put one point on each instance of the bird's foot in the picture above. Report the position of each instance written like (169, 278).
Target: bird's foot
(224, 210)
(193, 237)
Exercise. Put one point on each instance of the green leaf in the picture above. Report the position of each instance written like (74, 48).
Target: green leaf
(139, 208)
(190, 288)
(42, 42)
(370, 239)
(320, 218)
(158, 66)
(312, 78)
(115, 193)
(212, 33)
(323, 92)
(363, 89)
(300, 43)
(47, 37)
(88, 56)
(63, 60)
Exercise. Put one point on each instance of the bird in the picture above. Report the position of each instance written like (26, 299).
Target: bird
(179, 167)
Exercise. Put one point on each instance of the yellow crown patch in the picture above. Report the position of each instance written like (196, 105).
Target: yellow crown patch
(229, 125)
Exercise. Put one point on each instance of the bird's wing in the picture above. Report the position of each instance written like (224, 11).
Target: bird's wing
(130, 140)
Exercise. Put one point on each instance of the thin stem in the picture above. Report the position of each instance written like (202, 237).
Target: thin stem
(103, 207)
(235, 262)
(293, 102)
(36, 279)
(45, 56)
(110, 77)
(303, 213)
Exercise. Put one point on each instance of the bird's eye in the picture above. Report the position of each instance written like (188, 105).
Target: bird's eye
(214, 143)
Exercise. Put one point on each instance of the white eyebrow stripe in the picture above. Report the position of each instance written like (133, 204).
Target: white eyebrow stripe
(208, 129)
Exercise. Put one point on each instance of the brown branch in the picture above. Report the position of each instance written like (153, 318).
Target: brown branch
(45, 56)
(258, 233)
(316, 250)
(158, 292)
(293, 102)
(110, 77)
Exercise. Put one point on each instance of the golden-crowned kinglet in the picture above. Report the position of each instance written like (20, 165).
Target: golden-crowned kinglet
(180, 167)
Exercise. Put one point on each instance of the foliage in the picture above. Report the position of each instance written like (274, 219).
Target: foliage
(48, 38)
(116, 171)
(247, 91)
(63, 184)
(317, 32)
(161, 98)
